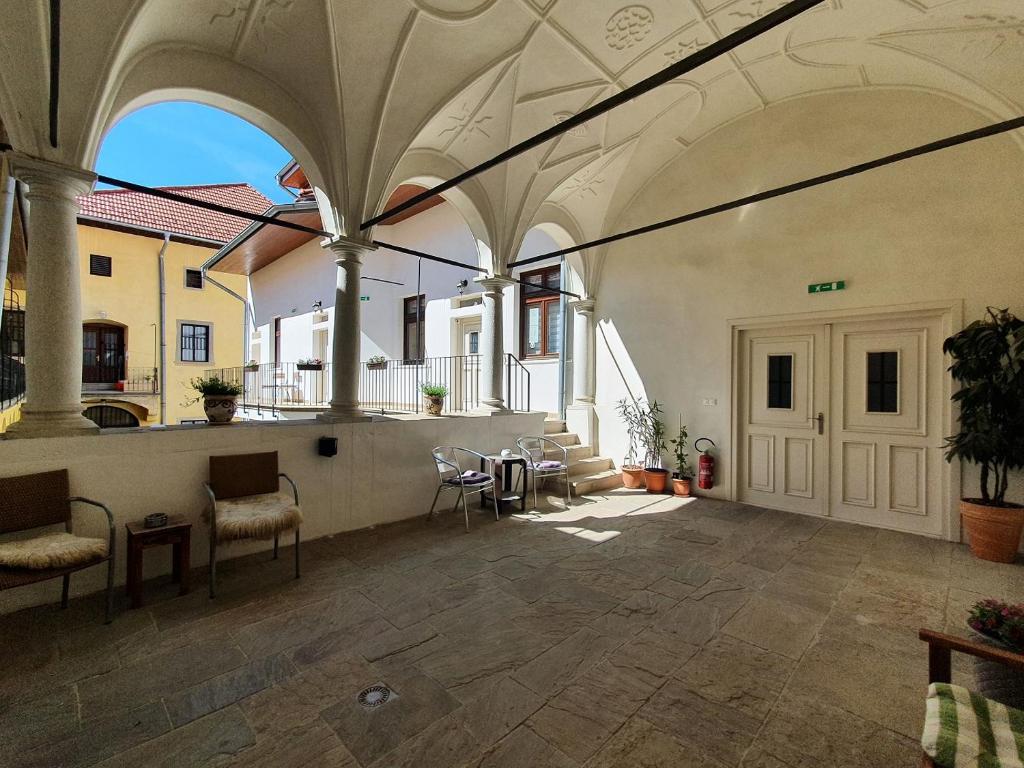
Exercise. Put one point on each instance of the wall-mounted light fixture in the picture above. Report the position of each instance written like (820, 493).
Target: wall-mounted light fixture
(461, 285)
(318, 305)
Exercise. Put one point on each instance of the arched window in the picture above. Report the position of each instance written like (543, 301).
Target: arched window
(107, 416)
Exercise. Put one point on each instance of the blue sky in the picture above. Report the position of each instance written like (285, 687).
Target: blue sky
(184, 143)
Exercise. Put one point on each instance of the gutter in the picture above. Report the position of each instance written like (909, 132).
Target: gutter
(122, 226)
(247, 313)
(255, 226)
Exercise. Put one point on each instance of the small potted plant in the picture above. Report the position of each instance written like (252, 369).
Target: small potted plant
(377, 363)
(1000, 624)
(988, 364)
(652, 437)
(252, 365)
(632, 472)
(310, 364)
(433, 397)
(219, 398)
(683, 475)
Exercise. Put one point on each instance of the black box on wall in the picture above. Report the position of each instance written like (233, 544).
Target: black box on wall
(328, 446)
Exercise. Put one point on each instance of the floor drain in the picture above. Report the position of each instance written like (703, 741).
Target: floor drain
(374, 696)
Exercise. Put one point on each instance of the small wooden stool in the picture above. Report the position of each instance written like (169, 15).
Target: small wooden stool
(177, 532)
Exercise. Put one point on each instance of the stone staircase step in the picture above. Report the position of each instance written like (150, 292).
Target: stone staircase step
(564, 438)
(590, 465)
(554, 426)
(574, 453)
(594, 482)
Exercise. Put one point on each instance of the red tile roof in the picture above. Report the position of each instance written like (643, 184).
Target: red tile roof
(141, 210)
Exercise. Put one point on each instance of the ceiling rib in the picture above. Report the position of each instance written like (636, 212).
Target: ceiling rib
(853, 170)
(671, 72)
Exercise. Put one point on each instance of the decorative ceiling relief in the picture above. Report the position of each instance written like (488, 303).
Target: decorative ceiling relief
(583, 186)
(254, 17)
(628, 26)
(683, 48)
(464, 124)
(454, 10)
(579, 132)
(741, 14)
(993, 33)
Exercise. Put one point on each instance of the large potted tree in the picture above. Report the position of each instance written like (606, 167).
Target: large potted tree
(652, 437)
(988, 364)
(684, 472)
(632, 471)
(219, 398)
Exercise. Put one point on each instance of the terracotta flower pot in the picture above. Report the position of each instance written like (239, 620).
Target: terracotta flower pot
(993, 532)
(681, 486)
(434, 405)
(655, 479)
(220, 409)
(632, 476)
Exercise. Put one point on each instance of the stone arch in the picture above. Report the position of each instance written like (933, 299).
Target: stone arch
(562, 227)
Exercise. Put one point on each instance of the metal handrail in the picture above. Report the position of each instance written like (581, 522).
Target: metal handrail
(517, 384)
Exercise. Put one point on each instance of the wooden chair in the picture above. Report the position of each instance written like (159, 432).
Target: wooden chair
(246, 502)
(43, 499)
(940, 661)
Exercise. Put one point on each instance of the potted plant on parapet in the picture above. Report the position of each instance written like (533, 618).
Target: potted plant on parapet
(377, 363)
(988, 364)
(252, 365)
(1002, 625)
(219, 398)
(653, 439)
(683, 475)
(433, 397)
(310, 364)
(632, 472)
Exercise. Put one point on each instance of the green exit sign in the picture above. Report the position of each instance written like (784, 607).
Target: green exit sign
(835, 285)
(364, 298)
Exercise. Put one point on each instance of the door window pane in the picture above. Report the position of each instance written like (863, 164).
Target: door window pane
(532, 341)
(474, 342)
(780, 381)
(554, 329)
(883, 382)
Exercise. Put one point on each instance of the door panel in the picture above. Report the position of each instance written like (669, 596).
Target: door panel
(102, 354)
(782, 389)
(889, 392)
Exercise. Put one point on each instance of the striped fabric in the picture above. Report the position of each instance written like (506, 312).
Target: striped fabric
(965, 730)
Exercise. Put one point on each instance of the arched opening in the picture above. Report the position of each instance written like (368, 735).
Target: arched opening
(110, 416)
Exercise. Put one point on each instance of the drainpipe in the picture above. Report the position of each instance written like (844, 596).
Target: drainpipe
(247, 313)
(562, 307)
(163, 328)
(6, 222)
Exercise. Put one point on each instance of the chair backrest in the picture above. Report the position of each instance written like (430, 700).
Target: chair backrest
(244, 474)
(446, 460)
(533, 448)
(32, 501)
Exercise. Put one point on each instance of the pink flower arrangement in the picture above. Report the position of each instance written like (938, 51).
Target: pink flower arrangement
(1000, 621)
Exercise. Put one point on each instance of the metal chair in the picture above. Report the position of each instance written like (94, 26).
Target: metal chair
(44, 499)
(534, 449)
(452, 477)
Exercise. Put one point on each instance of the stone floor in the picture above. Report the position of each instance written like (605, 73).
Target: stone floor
(628, 631)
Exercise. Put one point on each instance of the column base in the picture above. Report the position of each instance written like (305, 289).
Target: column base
(581, 418)
(492, 408)
(64, 423)
(343, 417)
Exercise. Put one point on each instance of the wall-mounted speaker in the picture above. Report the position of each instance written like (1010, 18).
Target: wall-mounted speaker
(328, 446)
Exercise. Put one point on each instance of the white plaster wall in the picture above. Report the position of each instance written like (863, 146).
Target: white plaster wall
(941, 227)
(382, 473)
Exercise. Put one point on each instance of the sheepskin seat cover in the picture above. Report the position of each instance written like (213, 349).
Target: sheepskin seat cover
(257, 517)
(52, 550)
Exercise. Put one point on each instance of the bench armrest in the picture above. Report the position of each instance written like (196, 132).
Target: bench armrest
(940, 652)
(295, 489)
(110, 517)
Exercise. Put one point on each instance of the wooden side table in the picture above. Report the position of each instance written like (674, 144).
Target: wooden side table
(178, 533)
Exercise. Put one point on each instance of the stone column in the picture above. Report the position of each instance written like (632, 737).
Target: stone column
(53, 312)
(345, 362)
(580, 417)
(492, 347)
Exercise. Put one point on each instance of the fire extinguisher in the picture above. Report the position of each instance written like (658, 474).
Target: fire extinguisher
(706, 465)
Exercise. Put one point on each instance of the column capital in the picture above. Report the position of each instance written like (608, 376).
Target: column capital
(582, 305)
(494, 283)
(46, 178)
(346, 248)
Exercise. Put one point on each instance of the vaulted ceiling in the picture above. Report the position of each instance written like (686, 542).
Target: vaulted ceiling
(370, 94)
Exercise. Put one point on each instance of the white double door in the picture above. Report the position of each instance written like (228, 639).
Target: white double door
(845, 420)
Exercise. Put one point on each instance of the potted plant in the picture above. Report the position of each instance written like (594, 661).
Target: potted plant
(219, 398)
(683, 475)
(652, 437)
(632, 472)
(433, 397)
(1000, 624)
(252, 365)
(310, 364)
(988, 364)
(377, 363)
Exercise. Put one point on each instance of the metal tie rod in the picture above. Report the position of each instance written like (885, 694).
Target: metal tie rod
(671, 72)
(853, 170)
(431, 257)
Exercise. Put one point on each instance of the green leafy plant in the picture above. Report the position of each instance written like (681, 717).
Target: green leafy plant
(630, 415)
(434, 390)
(683, 469)
(988, 364)
(212, 387)
(999, 621)
(310, 361)
(652, 436)
(252, 364)
(377, 360)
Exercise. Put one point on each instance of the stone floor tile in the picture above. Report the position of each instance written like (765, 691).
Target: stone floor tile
(776, 626)
(219, 736)
(669, 587)
(746, 574)
(499, 709)
(822, 558)
(727, 597)
(737, 674)
(525, 749)
(445, 743)
(798, 586)
(554, 669)
(881, 621)
(311, 744)
(638, 743)
(226, 689)
(691, 622)
(654, 651)
(29, 722)
(635, 614)
(712, 729)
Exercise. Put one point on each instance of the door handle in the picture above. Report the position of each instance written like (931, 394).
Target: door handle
(820, 418)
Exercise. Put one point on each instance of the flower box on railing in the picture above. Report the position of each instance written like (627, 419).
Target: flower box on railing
(251, 368)
(310, 366)
(382, 366)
